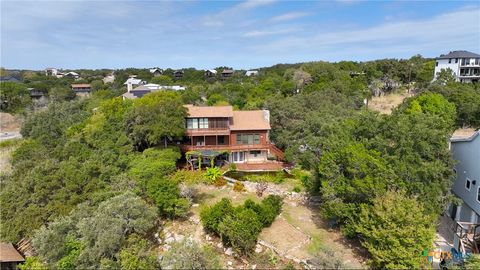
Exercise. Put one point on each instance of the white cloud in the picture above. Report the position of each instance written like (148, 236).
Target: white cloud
(289, 16)
(235, 13)
(459, 29)
(261, 33)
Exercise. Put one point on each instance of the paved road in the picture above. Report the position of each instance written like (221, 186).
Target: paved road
(10, 135)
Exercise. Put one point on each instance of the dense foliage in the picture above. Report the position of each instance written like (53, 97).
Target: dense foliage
(240, 226)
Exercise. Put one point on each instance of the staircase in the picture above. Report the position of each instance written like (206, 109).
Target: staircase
(277, 152)
(469, 237)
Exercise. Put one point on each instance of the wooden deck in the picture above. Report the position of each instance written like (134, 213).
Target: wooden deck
(265, 166)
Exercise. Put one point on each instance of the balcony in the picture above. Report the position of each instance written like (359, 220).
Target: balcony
(239, 147)
(208, 131)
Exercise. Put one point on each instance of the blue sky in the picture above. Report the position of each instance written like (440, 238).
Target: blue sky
(248, 34)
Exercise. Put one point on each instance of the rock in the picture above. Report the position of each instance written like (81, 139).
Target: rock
(229, 263)
(208, 238)
(195, 205)
(229, 252)
(220, 245)
(168, 235)
(258, 249)
(169, 240)
(156, 235)
(167, 247)
(178, 237)
(254, 266)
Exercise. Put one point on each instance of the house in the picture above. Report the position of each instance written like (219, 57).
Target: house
(178, 74)
(51, 72)
(36, 93)
(465, 148)
(9, 79)
(133, 82)
(242, 136)
(156, 72)
(227, 73)
(82, 89)
(210, 73)
(142, 90)
(465, 65)
(72, 75)
(110, 78)
(9, 257)
(251, 73)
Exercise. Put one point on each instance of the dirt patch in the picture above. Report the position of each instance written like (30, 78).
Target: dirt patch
(284, 237)
(386, 104)
(9, 123)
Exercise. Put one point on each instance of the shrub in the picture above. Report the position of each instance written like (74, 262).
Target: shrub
(213, 174)
(189, 255)
(220, 182)
(241, 230)
(212, 216)
(166, 195)
(296, 189)
(238, 186)
(232, 167)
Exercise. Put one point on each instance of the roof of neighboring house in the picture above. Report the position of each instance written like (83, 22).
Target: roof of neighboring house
(251, 72)
(464, 135)
(153, 70)
(459, 54)
(72, 73)
(80, 85)
(153, 87)
(209, 111)
(212, 71)
(9, 79)
(250, 120)
(129, 95)
(8, 253)
(178, 71)
(227, 71)
(133, 81)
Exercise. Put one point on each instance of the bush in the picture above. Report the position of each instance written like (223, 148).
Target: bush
(220, 182)
(241, 230)
(296, 189)
(213, 174)
(212, 216)
(189, 255)
(238, 186)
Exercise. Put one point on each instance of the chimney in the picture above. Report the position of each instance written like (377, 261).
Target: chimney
(266, 115)
(129, 86)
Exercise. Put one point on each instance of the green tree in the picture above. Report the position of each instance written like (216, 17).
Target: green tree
(155, 117)
(240, 230)
(14, 97)
(189, 255)
(395, 230)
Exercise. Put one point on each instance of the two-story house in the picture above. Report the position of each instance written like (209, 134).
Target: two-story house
(82, 89)
(244, 135)
(464, 65)
(465, 148)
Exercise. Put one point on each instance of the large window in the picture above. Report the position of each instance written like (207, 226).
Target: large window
(196, 123)
(468, 184)
(248, 138)
(478, 194)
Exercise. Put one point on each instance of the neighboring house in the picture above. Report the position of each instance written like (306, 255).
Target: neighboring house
(156, 72)
(142, 90)
(9, 257)
(110, 78)
(251, 73)
(465, 65)
(51, 72)
(243, 136)
(210, 73)
(9, 79)
(178, 74)
(465, 148)
(72, 75)
(82, 89)
(133, 82)
(227, 73)
(36, 93)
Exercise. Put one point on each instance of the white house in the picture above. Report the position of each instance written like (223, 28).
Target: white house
(142, 90)
(465, 65)
(251, 73)
(156, 72)
(133, 82)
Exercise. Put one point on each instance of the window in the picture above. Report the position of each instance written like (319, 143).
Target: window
(478, 194)
(248, 138)
(456, 60)
(238, 156)
(255, 153)
(449, 61)
(436, 63)
(221, 140)
(468, 183)
(203, 122)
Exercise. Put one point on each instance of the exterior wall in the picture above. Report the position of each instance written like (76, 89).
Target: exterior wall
(467, 154)
(250, 157)
(443, 64)
(263, 136)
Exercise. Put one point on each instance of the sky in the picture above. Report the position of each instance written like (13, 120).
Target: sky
(242, 35)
